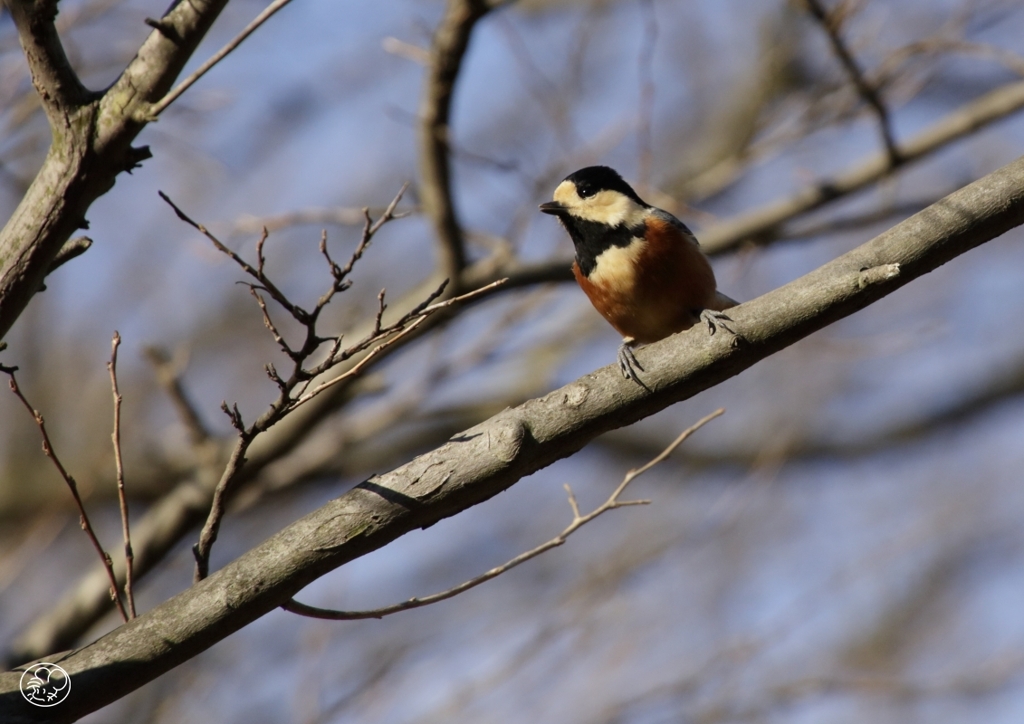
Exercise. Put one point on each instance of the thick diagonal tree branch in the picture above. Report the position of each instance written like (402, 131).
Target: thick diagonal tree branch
(488, 458)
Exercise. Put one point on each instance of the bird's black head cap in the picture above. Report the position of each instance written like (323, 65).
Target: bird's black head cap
(590, 180)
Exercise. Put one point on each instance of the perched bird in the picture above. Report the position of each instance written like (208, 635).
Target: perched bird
(642, 269)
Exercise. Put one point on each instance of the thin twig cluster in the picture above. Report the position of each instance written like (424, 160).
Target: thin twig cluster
(305, 381)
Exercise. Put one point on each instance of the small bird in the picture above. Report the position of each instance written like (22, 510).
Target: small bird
(642, 269)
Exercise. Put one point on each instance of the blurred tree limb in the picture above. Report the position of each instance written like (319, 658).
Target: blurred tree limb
(762, 224)
(831, 22)
(1000, 387)
(451, 40)
(484, 460)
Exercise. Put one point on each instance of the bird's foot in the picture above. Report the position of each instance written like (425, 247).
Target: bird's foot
(628, 362)
(714, 320)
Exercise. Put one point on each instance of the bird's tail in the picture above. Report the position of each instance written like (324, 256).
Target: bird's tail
(722, 302)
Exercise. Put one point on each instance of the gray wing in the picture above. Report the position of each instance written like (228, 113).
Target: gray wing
(666, 216)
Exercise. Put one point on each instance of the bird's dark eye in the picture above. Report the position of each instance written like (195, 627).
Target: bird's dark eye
(585, 190)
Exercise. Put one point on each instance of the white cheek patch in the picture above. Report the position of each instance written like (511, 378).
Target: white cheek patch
(611, 208)
(565, 194)
(615, 268)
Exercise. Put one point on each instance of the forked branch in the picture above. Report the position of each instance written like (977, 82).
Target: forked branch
(305, 382)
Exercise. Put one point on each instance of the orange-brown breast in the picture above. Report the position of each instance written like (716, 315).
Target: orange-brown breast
(670, 281)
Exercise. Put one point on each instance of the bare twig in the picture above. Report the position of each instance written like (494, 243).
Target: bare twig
(578, 521)
(341, 216)
(890, 66)
(964, 121)
(268, 322)
(83, 517)
(370, 228)
(406, 50)
(168, 374)
(255, 272)
(208, 536)
(160, 106)
(73, 248)
(121, 498)
(831, 23)
(187, 505)
(408, 327)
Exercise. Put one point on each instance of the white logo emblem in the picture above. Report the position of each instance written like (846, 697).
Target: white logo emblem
(45, 684)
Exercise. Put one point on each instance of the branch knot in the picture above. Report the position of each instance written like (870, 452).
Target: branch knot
(877, 275)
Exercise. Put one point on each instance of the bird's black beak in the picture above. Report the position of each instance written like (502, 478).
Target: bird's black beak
(554, 208)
